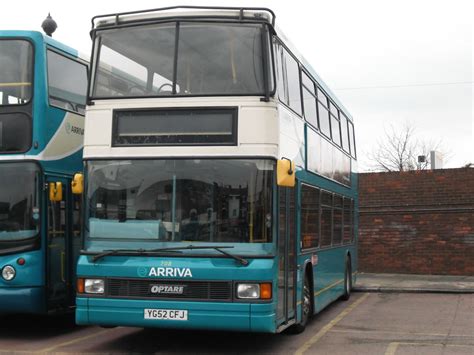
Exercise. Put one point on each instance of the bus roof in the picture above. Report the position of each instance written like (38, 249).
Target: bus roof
(247, 13)
(39, 37)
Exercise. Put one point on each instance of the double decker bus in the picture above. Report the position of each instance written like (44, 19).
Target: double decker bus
(220, 186)
(43, 86)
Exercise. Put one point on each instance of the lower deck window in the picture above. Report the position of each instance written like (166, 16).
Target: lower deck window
(326, 218)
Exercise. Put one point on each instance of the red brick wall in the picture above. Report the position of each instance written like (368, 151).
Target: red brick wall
(419, 222)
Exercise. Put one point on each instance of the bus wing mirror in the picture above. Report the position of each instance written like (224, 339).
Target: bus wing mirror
(55, 191)
(77, 184)
(286, 173)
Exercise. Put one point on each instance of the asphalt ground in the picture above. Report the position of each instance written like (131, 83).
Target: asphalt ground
(369, 323)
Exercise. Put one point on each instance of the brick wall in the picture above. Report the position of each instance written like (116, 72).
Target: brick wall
(419, 222)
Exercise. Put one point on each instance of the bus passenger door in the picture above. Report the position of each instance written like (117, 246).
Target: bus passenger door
(58, 232)
(75, 245)
(286, 256)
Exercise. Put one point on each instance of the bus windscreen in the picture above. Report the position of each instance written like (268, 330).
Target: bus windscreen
(163, 201)
(19, 202)
(210, 59)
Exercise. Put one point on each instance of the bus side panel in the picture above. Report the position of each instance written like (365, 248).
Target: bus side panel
(328, 264)
(63, 152)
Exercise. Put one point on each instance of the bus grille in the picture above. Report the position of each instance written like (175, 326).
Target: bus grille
(192, 290)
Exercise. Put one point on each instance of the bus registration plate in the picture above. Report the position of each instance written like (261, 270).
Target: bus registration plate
(168, 314)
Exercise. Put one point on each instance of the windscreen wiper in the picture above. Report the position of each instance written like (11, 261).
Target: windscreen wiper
(124, 252)
(219, 248)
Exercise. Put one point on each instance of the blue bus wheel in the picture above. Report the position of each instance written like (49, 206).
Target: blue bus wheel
(306, 310)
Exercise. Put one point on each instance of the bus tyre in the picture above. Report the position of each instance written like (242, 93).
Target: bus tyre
(347, 280)
(306, 310)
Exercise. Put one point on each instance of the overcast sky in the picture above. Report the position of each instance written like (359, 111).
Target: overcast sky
(388, 61)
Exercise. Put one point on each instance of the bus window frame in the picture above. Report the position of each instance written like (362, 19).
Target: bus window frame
(303, 86)
(95, 54)
(317, 247)
(77, 60)
(353, 140)
(345, 147)
(337, 118)
(285, 78)
(32, 243)
(274, 202)
(305, 251)
(33, 72)
(234, 110)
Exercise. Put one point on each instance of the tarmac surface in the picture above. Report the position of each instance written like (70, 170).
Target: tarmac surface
(369, 323)
(397, 322)
(367, 282)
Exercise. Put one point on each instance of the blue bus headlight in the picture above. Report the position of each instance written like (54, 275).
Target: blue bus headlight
(248, 291)
(95, 286)
(8, 273)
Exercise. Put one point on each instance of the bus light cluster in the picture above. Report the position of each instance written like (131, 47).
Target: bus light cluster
(8, 273)
(253, 291)
(91, 286)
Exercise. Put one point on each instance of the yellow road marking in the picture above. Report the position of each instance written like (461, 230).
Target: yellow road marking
(392, 347)
(14, 84)
(398, 333)
(328, 326)
(73, 341)
(328, 287)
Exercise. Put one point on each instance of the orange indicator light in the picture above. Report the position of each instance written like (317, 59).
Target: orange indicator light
(266, 291)
(80, 285)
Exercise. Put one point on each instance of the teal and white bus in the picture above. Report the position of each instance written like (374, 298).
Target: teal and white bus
(43, 85)
(220, 176)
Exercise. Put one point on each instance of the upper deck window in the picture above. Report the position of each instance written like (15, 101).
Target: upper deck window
(352, 139)
(288, 79)
(210, 59)
(67, 80)
(16, 75)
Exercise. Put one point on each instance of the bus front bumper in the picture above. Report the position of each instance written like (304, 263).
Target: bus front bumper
(21, 300)
(201, 315)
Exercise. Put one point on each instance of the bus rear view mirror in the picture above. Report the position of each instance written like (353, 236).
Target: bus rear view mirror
(286, 173)
(77, 184)
(55, 191)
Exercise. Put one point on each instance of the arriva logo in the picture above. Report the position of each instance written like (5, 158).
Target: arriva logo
(170, 272)
(142, 271)
(73, 129)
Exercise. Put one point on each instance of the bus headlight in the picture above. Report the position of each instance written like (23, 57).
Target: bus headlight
(248, 291)
(8, 273)
(255, 291)
(95, 286)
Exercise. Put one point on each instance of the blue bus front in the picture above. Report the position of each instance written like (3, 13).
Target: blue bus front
(186, 243)
(21, 263)
(36, 243)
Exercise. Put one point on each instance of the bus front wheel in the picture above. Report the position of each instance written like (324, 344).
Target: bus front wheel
(306, 309)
